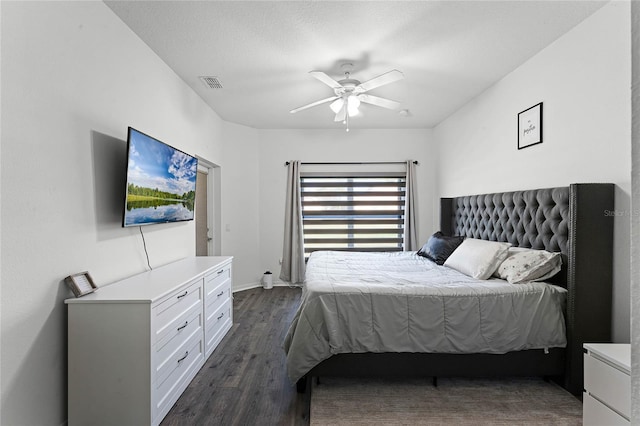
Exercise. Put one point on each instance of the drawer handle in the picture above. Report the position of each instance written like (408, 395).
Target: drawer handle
(186, 323)
(221, 315)
(220, 294)
(183, 294)
(220, 271)
(183, 358)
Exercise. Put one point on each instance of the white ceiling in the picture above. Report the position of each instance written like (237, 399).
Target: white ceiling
(262, 51)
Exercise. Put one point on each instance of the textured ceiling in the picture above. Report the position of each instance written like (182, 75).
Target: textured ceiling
(449, 52)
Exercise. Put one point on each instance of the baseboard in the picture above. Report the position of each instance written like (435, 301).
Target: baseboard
(249, 286)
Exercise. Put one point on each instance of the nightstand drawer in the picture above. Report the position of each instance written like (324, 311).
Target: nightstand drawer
(595, 413)
(607, 384)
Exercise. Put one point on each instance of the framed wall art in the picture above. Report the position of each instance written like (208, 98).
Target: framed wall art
(530, 126)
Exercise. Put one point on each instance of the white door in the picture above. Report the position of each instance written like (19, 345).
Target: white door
(203, 236)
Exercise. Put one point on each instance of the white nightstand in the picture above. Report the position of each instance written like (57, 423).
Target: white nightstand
(607, 384)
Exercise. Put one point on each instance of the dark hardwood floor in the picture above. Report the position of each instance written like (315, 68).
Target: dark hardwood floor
(244, 382)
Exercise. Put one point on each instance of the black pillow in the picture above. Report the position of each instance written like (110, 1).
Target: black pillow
(439, 247)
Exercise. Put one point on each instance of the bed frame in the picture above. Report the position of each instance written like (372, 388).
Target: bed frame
(572, 220)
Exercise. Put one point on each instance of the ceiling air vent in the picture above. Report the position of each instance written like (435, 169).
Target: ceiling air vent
(211, 82)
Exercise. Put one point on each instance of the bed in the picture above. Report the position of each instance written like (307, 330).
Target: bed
(358, 318)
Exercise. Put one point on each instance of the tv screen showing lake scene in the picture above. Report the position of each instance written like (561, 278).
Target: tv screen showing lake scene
(161, 182)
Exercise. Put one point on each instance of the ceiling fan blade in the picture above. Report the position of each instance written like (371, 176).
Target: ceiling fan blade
(378, 101)
(381, 80)
(293, 111)
(325, 79)
(342, 114)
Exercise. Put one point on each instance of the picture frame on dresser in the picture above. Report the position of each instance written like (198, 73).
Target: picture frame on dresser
(81, 284)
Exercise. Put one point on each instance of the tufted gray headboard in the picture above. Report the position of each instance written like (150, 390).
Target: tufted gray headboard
(536, 219)
(578, 222)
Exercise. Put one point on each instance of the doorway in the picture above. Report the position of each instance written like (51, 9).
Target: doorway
(207, 214)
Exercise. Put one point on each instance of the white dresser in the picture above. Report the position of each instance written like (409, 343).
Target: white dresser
(135, 345)
(607, 384)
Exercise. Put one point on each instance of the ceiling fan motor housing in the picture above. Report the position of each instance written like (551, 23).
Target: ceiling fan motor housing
(347, 86)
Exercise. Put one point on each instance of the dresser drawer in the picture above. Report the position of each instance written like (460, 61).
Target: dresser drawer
(216, 296)
(217, 325)
(215, 319)
(214, 279)
(183, 368)
(188, 324)
(178, 361)
(168, 312)
(608, 384)
(595, 413)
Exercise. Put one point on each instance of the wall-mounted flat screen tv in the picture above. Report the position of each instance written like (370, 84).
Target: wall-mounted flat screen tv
(161, 182)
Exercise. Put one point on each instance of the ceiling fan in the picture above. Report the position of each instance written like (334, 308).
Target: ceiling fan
(349, 93)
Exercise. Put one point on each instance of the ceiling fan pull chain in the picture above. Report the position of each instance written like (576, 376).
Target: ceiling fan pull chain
(347, 119)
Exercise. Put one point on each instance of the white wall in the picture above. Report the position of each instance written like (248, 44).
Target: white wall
(583, 78)
(635, 216)
(73, 78)
(278, 146)
(241, 209)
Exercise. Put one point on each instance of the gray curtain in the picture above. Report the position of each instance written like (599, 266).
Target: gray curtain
(410, 210)
(293, 266)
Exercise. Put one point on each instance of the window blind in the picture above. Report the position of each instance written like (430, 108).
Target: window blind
(353, 212)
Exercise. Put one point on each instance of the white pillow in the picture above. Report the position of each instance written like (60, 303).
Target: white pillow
(478, 258)
(527, 265)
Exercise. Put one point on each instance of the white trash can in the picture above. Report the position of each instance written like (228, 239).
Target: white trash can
(267, 280)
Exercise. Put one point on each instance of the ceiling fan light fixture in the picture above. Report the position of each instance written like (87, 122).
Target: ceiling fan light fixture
(336, 105)
(353, 103)
(349, 93)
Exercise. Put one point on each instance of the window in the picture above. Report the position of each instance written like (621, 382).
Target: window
(353, 212)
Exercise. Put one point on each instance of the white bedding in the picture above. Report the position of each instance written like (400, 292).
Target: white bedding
(402, 302)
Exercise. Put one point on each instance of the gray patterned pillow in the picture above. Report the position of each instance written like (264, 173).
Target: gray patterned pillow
(527, 265)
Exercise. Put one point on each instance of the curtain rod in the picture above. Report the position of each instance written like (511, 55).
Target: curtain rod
(352, 163)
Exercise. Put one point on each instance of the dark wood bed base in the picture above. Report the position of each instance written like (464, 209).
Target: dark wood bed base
(574, 220)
